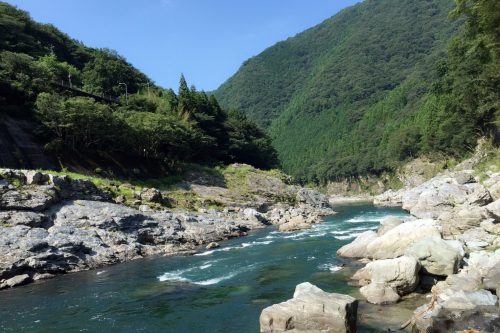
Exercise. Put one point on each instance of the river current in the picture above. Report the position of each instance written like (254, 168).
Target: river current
(221, 290)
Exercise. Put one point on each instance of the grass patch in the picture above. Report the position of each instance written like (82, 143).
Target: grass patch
(491, 163)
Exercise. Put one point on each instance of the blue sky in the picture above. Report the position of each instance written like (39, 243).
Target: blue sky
(207, 40)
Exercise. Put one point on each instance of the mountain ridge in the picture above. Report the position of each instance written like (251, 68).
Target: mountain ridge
(326, 79)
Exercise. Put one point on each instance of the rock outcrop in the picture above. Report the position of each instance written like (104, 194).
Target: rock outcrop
(311, 310)
(51, 224)
(455, 241)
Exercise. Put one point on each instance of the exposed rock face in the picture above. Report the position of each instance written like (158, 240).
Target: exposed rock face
(389, 279)
(395, 242)
(436, 256)
(311, 310)
(52, 224)
(357, 248)
(457, 207)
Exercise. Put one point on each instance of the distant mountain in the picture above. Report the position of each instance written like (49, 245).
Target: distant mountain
(342, 98)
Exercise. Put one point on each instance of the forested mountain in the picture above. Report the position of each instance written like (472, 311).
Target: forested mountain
(374, 85)
(74, 99)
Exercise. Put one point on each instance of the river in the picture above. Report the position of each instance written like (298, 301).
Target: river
(222, 290)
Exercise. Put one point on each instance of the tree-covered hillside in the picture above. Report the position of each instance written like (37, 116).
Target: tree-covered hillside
(358, 93)
(75, 100)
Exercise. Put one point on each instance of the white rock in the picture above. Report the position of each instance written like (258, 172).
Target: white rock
(357, 248)
(395, 242)
(311, 310)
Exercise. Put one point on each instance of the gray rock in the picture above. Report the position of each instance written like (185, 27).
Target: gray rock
(357, 248)
(104, 215)
(31, 219)
(253, 214)
(436, 256)
(311, 310)
(36, 198)
(312, 198)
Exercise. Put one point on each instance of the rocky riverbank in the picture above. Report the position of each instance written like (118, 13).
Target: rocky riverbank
(450, 248)
(52, 224)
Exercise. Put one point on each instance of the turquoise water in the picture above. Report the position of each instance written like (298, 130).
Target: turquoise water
(222, 290)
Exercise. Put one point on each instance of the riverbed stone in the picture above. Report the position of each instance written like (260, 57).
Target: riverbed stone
(311, 310)
(395, 242)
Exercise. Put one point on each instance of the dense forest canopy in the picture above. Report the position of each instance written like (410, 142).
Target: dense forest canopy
(378, 83)
(37, 63)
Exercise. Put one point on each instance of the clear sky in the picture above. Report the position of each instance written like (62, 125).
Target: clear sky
(207, 40)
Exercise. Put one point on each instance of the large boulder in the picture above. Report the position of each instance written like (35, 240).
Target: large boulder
(357, 248)
(311, 310)
(436, 256)
(294, 224)
(387, 224)
(394, 243)
(390, 279)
